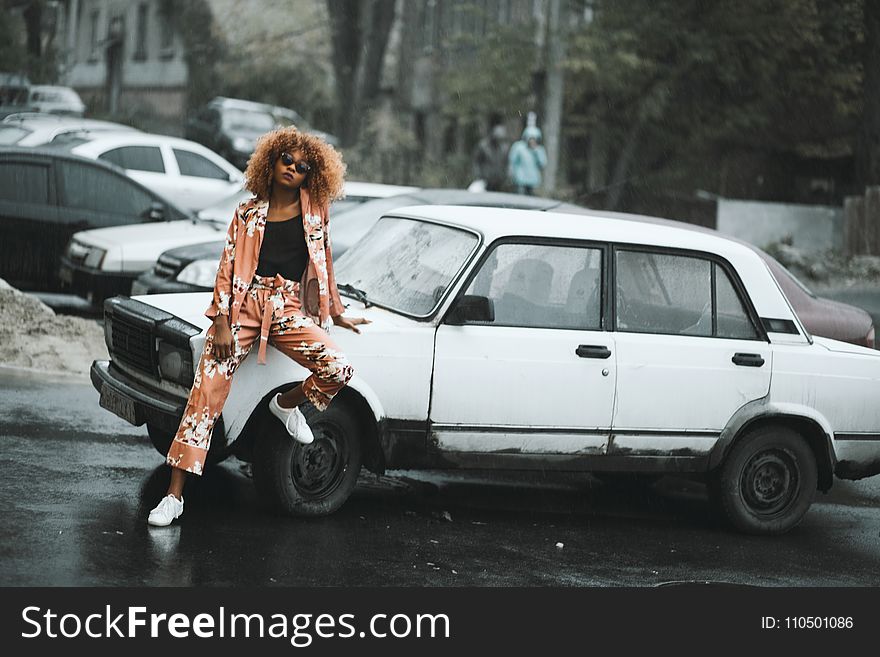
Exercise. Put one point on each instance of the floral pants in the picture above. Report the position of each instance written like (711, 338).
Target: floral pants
(270, 313)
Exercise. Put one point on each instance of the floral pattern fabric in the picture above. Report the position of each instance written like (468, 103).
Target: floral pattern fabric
(271, 312)
(241, 253)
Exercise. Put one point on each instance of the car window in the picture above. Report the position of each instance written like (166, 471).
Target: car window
(672, 294)
(87, 187)
(24, 183)
(240, 119)
(193, 164)
(12, 134)
(137, 158)
(732, 317)
(542, 286)
(406, 265)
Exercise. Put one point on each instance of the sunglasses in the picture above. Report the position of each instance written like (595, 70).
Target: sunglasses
(301, 167)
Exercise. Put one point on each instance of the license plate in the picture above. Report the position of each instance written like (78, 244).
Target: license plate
(66, 275)
(118, 404)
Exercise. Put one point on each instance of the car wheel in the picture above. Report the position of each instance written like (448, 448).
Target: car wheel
(314, 479)
(767, 482)
(161, 440)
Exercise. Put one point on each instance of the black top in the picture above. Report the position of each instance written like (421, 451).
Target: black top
(284, 249)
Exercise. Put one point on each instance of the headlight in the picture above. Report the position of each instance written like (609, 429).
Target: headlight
(95, 258)
(174, 364)
(200, 272)
(242, 145)
(76, 251)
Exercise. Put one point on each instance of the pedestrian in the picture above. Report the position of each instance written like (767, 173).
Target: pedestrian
(275, 284)
(490, 159)
(526, 161)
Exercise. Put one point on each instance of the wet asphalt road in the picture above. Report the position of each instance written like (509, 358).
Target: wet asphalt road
(76, 484)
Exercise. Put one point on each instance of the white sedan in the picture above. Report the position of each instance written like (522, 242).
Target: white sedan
(536, 341)
(182, 171)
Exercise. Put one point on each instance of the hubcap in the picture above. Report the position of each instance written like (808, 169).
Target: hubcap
(770, 482)
(318, 468)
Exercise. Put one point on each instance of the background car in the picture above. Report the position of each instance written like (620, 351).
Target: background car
(192, 268)
(689, 356)
(231, 127)
(46, 196)
(128, 251)
(34, 129)
(182, 171)
(55, 100)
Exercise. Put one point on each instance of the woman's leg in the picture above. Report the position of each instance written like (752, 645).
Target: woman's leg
(189, 449)
(310, 346)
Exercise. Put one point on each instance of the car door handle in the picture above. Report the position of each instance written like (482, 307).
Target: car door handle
(748, 360)
(592, 351)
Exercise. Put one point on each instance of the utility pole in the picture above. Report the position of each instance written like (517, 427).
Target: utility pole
(555, 87)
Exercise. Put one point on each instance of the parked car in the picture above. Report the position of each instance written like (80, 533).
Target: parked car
(192, 268)
(534, 341)
(129, 251)
(231, 126)
(46, 196)
(55, 100)
(182, 171)
(34, 129)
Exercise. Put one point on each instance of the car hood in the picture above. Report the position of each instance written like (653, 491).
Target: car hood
(190, 307)
(845, 347)
(137, 247)
(192, 252)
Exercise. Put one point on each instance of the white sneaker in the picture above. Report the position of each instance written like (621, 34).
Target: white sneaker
(294, 421)
(167, 510)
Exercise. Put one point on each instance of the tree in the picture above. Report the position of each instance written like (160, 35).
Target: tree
(360, 31)
(680, 88)
(868, 163)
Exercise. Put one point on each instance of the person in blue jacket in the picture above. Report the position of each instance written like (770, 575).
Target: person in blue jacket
(526, 161)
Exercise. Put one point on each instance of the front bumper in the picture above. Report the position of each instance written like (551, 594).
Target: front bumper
(94, 284)
(136, 403)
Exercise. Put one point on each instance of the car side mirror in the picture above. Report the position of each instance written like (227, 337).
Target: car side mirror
(471, 308)
(156, 211)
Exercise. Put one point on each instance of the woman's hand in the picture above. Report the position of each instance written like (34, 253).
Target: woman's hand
(350, 323)
(222, 344)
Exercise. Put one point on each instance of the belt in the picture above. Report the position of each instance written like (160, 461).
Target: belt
(273, 284)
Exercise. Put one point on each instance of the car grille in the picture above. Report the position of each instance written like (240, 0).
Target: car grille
(133, 345)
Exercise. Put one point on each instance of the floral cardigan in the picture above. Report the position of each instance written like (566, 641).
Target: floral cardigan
(238, 262)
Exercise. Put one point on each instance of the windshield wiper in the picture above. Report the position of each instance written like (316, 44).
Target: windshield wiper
(358, 294)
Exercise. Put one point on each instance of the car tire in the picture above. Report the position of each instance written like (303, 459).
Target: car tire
(767, 481)
(314, 479)
(161, 440)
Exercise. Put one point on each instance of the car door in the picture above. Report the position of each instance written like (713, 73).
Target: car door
(31, 234)
(539, 378)
(204, 182)
(98, 197)
(147, 165)
(689, 351)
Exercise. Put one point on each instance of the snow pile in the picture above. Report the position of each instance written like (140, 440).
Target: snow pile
(32, 336)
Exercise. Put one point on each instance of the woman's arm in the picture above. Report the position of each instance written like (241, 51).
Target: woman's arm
(223, 282)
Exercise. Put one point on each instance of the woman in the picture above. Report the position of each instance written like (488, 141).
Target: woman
(275, 283)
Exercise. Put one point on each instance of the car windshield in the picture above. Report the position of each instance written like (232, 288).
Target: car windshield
(237, 119)
(405, 265)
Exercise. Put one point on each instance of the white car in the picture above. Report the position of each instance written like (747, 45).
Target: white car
(33, 129)
(535, 341)
(55, 100)
(103, 262)
(182, 171)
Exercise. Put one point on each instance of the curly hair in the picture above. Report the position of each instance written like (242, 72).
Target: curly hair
(324, 181)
